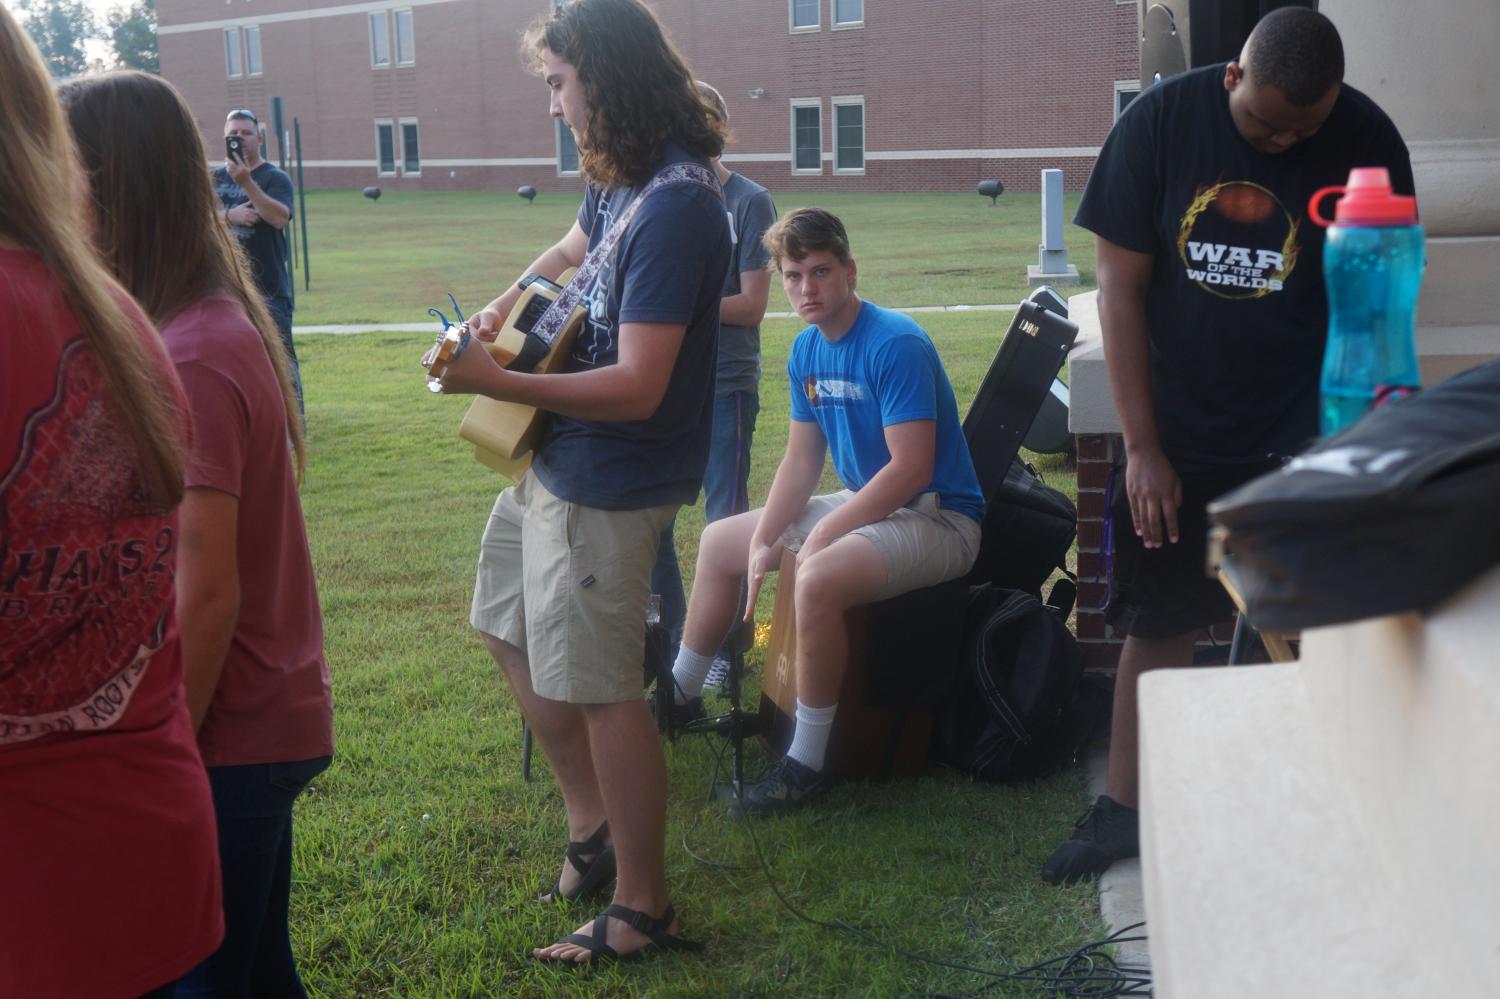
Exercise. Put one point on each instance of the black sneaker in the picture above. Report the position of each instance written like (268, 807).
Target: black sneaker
(680, 715)
(1107, 832)
(785, 785)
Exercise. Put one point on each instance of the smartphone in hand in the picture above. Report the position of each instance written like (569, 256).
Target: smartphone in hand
(234, 148)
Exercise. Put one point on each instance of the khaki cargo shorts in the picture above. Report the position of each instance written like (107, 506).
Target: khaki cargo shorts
(567, 585)
(921, 543)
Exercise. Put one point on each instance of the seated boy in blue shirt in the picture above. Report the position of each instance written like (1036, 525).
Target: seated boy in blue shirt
(867, 385)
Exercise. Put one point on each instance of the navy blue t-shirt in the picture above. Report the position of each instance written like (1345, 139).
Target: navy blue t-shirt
(668, 267)
(263, 242)
(1236, 309)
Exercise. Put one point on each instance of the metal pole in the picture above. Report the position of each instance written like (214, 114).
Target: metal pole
(302, 206)
(280, 129)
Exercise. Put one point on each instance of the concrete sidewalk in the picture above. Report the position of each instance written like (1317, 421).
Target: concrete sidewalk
(1122, 901)
(432, 326)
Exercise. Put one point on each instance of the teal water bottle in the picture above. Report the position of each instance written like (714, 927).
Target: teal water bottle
(1372, 265)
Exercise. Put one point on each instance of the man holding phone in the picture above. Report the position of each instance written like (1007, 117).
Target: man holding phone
(257, 204)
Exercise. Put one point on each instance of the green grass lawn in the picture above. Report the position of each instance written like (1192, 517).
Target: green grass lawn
(420, 851)
(387, 261)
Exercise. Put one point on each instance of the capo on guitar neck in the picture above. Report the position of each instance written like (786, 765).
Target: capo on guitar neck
(450, 344)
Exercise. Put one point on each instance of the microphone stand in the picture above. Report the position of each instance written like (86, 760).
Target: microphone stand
(736, 723)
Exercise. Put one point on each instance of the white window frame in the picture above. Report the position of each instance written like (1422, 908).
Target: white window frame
(795, 104)
(257, 68)
(401, 124)
(833, 17)
(395, 149)
(384, 18)
(849, 101)
(234, 54)
(1122, 87)
(791, 18)
(411, 40)
(557, 137)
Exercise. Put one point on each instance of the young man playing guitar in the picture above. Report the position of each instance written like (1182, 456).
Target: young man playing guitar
(565, 563)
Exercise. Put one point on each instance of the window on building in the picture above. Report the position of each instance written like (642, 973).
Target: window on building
(380, 39)
(1125, 92)
(848, 13)
(252, 51)
(385, 147)
(233, 65)
(411, 150)
(804, 14)
(567, 149)
(406, 51)
(807, 136)
(849, 133)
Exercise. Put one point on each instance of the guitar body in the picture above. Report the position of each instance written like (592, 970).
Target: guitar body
(505, 433)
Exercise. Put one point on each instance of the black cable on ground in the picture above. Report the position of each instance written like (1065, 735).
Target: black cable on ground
(1083, 973)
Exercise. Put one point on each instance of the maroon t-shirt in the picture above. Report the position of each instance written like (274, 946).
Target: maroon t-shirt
(273, 702)
(109, 864)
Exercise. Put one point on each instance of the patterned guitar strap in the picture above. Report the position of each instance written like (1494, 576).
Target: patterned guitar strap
(541, 337)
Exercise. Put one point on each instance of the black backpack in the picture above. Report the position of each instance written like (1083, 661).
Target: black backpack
(1021, 708)
(1027, 531)
(1396, 513)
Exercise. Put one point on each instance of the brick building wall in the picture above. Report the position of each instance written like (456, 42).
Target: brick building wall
(954, 92)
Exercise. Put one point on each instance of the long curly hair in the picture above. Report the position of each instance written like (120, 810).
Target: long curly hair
(639, 90)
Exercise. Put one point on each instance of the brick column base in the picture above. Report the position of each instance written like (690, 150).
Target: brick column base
(1096, 456)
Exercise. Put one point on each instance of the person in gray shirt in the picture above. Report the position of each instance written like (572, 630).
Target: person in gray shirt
(737, 391)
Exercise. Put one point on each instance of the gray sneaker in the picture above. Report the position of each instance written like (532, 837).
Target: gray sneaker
(717, 674)
(785, 785)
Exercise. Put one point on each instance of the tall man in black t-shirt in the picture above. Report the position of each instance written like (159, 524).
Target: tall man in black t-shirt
(256, 197)
(1214, 315)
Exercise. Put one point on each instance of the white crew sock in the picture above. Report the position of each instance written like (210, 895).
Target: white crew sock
(690, 670)
(810, 739)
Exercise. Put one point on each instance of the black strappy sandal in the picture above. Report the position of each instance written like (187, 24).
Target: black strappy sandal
(601, 952)
(593, 874)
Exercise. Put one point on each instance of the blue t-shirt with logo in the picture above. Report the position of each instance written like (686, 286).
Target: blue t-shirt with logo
(668, 267)
(884, 371)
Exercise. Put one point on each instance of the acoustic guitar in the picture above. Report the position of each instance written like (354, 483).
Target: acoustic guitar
(505, 434)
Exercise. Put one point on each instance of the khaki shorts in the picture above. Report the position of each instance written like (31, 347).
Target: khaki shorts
(921, 543)
(567, 585)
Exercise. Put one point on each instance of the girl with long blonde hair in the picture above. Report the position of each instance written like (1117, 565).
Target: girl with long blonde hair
(107, 846)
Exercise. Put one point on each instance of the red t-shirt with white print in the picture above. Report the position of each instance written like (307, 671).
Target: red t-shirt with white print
(109, 874)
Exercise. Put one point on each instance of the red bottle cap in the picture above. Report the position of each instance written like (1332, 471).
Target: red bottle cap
(1367, 200)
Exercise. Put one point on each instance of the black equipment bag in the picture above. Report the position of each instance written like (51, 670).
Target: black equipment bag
(1019, 711)
(1395, 514)
(1027, 531)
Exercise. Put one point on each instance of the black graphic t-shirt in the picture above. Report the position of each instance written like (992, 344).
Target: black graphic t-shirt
(668, 267)
(1236, 308)
(263, 242)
